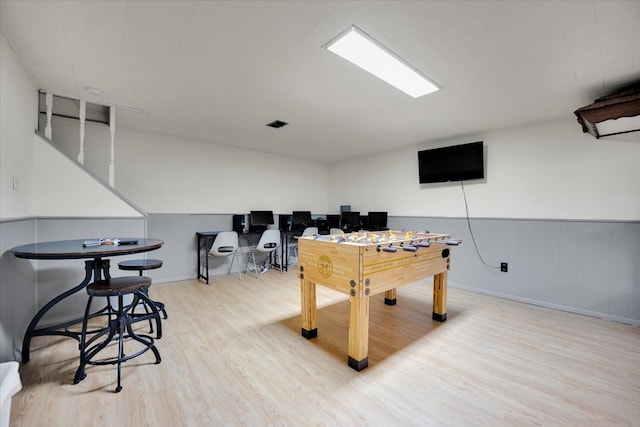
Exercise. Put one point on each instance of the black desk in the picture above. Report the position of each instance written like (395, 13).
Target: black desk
(283, 248)
(205, 241)
(96, 268)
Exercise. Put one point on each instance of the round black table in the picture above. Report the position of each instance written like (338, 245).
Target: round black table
(96, 268)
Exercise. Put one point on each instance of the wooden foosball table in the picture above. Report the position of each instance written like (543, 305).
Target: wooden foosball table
(365, 264)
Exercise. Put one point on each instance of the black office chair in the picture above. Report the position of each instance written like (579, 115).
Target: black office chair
(323, 226)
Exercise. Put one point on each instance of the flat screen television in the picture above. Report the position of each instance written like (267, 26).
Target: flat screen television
(350, 220)
(333, 220)
(260, 219)
(377, 221)
(454, 163)
(300, 220)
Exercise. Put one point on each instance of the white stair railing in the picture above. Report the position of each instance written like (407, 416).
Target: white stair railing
(82, 117)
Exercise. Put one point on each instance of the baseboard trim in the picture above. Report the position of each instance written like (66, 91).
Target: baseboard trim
(560, 307)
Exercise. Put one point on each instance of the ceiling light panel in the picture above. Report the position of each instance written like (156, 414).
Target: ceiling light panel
(357, 47)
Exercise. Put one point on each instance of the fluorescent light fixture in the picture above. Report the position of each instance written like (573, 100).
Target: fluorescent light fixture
(359, 48)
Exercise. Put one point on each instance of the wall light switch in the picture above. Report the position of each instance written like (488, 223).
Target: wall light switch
(16, 181)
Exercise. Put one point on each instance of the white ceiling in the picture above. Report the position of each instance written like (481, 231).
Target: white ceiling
(220, 71)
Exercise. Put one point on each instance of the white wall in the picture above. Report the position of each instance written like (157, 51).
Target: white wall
(164, 174)
(547, 170)
(65, 133)
(64, 189)
(18, 119)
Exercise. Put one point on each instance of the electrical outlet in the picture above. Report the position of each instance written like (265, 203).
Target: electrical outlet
(504, 267)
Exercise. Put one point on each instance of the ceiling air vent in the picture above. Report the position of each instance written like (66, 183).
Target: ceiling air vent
(276, 124)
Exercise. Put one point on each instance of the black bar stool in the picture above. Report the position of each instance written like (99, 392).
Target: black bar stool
(141, 265)
(119, 324)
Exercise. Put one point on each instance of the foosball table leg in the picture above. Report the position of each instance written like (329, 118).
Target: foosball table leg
(440, 297)
(359, 332)
(309, 309)
(390, 297)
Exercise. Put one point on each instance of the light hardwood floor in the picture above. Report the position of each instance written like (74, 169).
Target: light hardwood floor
(232, 354)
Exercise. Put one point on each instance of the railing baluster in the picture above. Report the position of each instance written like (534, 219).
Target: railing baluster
(83, 115)
(49, 104)
(112, 129)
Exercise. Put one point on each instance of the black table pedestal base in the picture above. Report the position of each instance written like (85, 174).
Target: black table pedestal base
(94, 268)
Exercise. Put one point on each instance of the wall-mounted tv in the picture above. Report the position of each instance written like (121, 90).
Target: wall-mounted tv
(453, 163)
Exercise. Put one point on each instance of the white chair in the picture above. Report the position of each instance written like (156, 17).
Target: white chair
(269, 242)
(293, 247)
(226, 244)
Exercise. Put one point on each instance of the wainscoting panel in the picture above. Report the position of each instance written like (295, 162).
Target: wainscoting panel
(588, 267)
(27, 285)
(179, 254)
(17, 286)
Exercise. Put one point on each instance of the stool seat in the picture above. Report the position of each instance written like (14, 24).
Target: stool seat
(140, 264)
(118, 285)
(119, 324)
